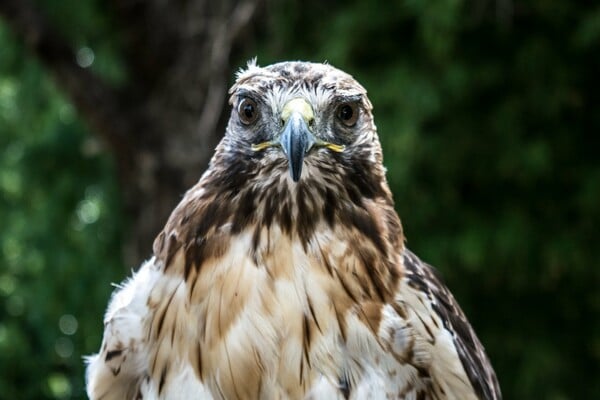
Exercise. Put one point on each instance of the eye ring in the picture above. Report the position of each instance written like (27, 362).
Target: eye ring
(348, 113)
(247, 111)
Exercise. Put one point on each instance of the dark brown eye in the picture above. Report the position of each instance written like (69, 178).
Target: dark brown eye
(348, 113)
(248, 111)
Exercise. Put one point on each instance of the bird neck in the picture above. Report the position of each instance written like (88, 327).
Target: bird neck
(217, 209)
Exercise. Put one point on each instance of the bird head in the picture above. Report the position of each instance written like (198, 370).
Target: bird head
(302, 121)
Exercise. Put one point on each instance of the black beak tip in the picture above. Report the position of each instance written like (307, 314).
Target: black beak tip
(296, 176)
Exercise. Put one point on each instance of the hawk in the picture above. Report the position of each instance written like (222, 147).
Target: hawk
(283, 272)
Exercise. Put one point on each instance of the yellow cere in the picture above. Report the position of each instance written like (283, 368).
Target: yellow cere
(300, 106)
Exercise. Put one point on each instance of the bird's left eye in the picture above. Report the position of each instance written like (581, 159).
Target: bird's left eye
(348, 113)
(248, 111)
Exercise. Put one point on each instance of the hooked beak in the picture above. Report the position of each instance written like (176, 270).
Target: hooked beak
(296, 138)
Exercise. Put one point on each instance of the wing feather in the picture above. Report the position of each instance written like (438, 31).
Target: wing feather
(425, 278)
(118, 371)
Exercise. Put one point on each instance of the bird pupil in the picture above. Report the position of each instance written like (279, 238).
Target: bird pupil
(248, 111)
(346, 112)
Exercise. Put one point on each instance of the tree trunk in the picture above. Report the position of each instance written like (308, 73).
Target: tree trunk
(163, 124)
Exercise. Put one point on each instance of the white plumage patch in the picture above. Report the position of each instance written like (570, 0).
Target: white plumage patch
(117, 371)
(270, 324)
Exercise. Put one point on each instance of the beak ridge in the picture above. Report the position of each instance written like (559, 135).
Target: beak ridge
(296, 140)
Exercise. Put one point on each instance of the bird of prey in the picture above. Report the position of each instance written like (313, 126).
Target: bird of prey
(283, 272)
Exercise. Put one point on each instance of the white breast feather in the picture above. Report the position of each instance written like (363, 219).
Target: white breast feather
(372, 372)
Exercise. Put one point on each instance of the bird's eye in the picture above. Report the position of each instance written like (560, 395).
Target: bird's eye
(348, 113)
(248, 111)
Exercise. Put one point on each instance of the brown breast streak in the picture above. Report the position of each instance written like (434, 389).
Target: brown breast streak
(365, 279)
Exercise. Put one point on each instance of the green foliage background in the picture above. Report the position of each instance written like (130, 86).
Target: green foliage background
(490, 130)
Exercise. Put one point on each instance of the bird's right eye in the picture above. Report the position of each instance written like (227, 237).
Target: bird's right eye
(248, 111)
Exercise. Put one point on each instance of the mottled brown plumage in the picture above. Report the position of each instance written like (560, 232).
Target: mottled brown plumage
(283, 272)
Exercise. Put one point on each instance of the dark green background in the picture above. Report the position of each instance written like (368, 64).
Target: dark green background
(489, 120)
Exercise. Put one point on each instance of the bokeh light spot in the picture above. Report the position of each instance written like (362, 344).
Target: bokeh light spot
(68, 324)
(85, 57)
(59, 386)
(63, 347)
